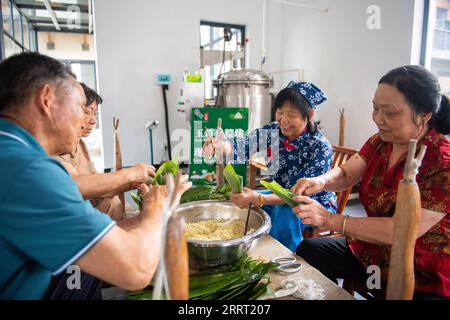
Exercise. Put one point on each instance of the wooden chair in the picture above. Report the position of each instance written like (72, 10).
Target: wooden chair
(340, 156)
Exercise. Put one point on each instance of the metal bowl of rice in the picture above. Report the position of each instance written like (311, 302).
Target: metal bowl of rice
(210, 253)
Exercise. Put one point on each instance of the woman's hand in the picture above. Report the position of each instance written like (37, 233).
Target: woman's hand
(309, 186)
(243, 199)
(311, 212)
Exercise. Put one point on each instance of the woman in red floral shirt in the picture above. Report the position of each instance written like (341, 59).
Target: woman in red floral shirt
(407, 105)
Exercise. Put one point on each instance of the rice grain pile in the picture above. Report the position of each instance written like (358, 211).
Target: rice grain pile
(212, 230)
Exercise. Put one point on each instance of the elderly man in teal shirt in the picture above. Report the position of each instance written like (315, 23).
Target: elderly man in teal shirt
(45, 224)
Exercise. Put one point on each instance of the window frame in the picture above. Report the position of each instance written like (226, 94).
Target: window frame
(32, 41)
(213, 24)
(242, 28)
(436, 59)
(425, 31)
(68, 62)
(2, 44)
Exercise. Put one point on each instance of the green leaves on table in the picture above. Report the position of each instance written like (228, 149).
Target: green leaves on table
(206, 192)
(245, 280)
(233, 179)
(285, 194)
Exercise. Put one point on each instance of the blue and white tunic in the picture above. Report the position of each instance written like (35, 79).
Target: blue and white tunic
(309, 155)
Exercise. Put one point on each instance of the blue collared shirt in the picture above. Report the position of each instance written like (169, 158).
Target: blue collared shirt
(45, 224)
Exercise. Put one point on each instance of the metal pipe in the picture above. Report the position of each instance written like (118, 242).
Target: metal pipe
(152, 160)
(90, 16)
(263, 49)
(165, 87)
(52, 14)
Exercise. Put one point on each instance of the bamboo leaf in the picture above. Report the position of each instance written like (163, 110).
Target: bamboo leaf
(170, 166)
(136, 198)
(231, 282)
(233, 179)
(285, 194)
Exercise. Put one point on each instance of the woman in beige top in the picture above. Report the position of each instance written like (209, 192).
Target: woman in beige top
(102, 189)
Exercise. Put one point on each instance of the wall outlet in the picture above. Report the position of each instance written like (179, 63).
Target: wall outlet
(164, 152)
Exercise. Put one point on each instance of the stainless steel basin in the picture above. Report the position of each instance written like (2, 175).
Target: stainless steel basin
(204, 254)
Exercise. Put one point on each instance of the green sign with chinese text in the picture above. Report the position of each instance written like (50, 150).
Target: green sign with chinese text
(234, 124)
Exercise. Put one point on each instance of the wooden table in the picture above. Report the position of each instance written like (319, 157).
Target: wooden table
(268, 248)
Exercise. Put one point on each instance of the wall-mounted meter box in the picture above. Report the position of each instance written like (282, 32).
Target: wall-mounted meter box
(192, 93)
(163, 78)
(193, 78)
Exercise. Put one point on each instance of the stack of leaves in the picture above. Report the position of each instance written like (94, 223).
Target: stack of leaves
(285, 194)
(206, 192)
(246, 279)
(233, 179)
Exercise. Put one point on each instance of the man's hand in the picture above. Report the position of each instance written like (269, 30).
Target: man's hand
(153, 198)
(243, 199)
(138, 174)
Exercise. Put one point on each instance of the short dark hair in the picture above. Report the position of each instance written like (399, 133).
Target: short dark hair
(91, 95)
(22, 74)
(423, 93)
(297, 101)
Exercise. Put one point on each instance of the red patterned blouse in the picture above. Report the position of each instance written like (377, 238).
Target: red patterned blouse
(378, 194)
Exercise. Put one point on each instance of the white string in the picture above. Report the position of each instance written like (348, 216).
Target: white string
(161, 283)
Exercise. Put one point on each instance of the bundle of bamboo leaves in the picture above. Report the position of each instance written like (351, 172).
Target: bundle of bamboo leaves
(246, 279)
(233, 179)
(206, 192)
(281, 192)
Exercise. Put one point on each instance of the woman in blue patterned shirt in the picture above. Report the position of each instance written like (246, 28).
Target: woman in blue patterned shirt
(294, 148)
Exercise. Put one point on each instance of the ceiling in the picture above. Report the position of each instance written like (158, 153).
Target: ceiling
(57, 15)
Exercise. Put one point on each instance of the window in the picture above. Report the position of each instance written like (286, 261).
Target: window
(11, 48)
(437, 18)
(84, 70)
(17, 21)
(17, 33)
(212, 38)
(26, 33)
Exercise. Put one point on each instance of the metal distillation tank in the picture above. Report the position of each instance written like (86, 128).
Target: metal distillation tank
(247, 88)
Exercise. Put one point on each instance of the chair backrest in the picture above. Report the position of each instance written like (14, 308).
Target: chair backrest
(340, 156)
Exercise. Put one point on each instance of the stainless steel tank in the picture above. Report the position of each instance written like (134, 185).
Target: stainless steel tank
(247, 88)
